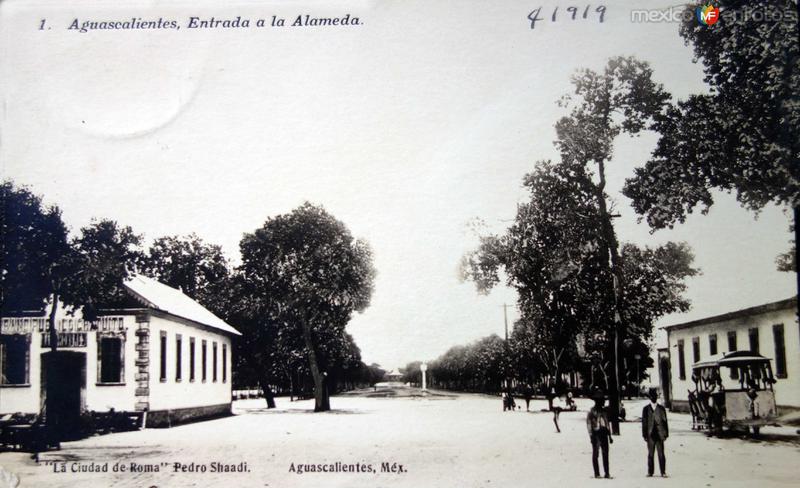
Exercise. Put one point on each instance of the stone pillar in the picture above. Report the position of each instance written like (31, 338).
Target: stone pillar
(142, 372)
(424, 368)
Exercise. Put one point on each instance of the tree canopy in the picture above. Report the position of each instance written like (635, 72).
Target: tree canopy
(198, 269)
(741, 134)
(306, 275)
(34, 247)
(105, 255)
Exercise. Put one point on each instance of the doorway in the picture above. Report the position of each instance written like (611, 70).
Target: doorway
(64, 392)
(666, 380)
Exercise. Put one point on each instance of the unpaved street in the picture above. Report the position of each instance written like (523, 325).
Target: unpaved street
(457, 441)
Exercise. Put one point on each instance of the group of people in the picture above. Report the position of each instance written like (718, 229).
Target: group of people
(655, 431)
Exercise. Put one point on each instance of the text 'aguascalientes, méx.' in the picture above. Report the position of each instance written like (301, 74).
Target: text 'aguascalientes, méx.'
(211, 22)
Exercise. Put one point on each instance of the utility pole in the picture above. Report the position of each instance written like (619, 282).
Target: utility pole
(505, 318)
(505, 346)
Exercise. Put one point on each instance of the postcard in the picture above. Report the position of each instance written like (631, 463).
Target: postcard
(328, 243)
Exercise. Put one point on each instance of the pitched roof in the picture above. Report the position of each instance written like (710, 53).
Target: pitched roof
(746, 312)
(159, 296)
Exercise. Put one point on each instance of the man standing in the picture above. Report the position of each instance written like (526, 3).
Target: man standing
(655, 431)
(599, 433)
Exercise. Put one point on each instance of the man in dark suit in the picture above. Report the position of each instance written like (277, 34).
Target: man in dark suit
(655, 431)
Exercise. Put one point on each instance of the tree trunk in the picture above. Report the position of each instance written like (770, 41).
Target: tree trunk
(51, 324)
(612, 246)
(321, 400)
(268, 396)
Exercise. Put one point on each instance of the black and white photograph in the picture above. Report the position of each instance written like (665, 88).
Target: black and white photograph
(399, 244)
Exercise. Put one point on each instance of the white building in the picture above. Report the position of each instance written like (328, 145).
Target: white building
(165, 355)
(771, 330)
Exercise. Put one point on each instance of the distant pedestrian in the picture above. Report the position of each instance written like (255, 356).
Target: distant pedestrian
(556, 408)
(527, 394)
(571, 402)
(599, 434)
(551, 395)
(655, 431)
(508, 401)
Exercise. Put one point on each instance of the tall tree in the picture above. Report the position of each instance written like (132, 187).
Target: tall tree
(742, 134)
(36, 255)
(34, 242)
(622, 98)
(311, 275)
(562, 253)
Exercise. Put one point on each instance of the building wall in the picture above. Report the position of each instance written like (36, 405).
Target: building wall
(15, 398)
(103, 397)
(787, 389)
(167, 395)
(174, 394)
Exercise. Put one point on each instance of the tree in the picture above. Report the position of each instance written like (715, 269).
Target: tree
(40, 263)
(309, 275)
(621, 99)
(562, 254)
(36, 255)
(264, 352)
(374, 373)
(527, 364)
(412, 373)
(199, 270)
(740, 136)
(106, 254)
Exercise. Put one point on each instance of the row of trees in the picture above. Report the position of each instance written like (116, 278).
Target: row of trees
(302, 277)
(491, 364)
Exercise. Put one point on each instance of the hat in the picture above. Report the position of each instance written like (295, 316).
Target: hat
(652, 394)
(598, 395)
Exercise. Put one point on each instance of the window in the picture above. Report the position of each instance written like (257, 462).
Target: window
(191, 359)
(203, 353)
(681, 361)
(14, 359)
(780, 351)
(732, 341)
(110, 352)
(712, 344)
(178, 356)
(163, 363)
(224, 363)
(695, 349)
(214, 362)
(732, 347)
(753, 335)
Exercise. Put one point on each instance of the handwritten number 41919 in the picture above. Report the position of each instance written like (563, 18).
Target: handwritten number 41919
(572, 13)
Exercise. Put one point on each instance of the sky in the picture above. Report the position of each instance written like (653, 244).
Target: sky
(405, 127)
